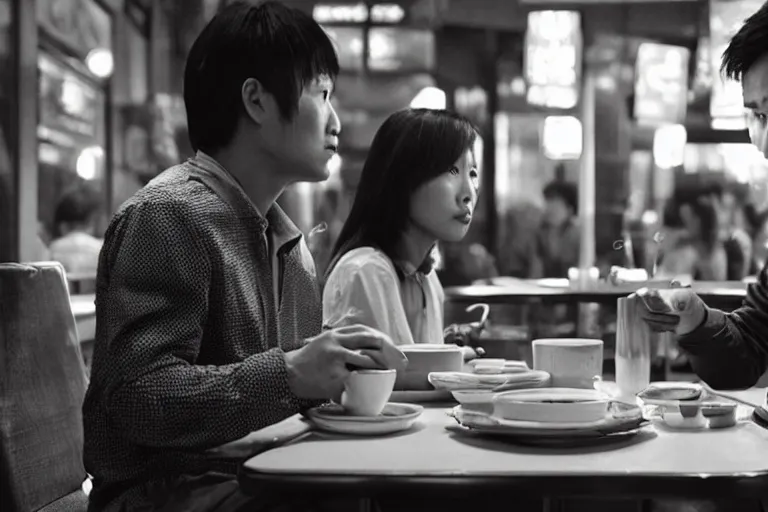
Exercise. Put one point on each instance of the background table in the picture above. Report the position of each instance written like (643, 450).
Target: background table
(720, 294)
(432, 460)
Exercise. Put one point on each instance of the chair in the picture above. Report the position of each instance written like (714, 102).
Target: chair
(42, 387)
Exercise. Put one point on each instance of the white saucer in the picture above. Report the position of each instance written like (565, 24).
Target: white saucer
(395, 417)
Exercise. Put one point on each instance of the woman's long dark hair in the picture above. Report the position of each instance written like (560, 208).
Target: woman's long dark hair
(412, 147)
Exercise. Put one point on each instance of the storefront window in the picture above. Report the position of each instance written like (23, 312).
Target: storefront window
(7, 181)
(75, 59)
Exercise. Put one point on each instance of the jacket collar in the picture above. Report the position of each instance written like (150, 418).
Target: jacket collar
(208, 171)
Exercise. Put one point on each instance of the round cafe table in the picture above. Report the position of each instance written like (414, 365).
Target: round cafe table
(433, 461)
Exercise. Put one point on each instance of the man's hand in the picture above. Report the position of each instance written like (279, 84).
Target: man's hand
(319, 369)
(677, 309)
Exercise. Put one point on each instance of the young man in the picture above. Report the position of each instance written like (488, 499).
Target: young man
(730, 350)
(208, 309)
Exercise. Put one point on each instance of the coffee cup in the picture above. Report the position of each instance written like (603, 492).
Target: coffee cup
(571, 362)
(366, 392)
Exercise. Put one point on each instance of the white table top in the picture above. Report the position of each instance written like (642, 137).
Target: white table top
(432, 450)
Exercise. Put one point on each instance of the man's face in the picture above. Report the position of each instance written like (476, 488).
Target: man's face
(304, 144)
(755, 86)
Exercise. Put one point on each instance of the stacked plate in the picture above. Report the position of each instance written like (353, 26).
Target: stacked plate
(548, 416)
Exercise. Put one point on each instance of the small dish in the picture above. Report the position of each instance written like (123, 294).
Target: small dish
(688, 417)
(720, 415)
(673, 393)
(551, 405)
(395, 417)
(493, 366)
(487, 366)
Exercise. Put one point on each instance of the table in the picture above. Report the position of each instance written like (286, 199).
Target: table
(84, 310)
(720, 294)
(430, 460)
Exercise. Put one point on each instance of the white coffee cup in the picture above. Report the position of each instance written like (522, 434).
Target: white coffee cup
(571, 362)
(366, 392)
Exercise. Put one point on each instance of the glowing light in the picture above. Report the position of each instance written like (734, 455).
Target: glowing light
(429, 97)
(357, 13)
(669, 146)
(88, 162)
(650, 218)
(100, 62)
(387, 13)
(562, 138)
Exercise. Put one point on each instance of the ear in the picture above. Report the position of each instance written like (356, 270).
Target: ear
(257, 101)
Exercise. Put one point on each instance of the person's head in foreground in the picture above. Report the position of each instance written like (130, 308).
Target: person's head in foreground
(746, 60)
(257, 88)
(419, 186)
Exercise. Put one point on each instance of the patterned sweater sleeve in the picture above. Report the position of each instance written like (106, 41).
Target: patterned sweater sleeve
(730, 350)
(154, 307)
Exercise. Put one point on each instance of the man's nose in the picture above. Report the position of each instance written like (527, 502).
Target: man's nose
(334, 123)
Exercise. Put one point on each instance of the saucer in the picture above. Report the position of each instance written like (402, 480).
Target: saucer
(395, 417)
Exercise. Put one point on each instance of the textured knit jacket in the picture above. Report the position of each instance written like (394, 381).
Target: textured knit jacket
(189, 340)
(730, 350)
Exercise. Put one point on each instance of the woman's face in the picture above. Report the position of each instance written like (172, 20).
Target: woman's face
(443, 207)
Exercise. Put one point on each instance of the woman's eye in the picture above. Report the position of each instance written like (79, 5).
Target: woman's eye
(454, 170)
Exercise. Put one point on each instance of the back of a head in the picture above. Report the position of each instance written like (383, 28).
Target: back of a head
(565, 191)
(411, 147)
(78, 205)
(747, 46)
(280, 46)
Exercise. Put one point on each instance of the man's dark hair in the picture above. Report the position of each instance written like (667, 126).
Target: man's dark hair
(565, 191)
(281, 47)
(748, 45)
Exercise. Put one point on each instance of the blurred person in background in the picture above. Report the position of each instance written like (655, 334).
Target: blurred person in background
(76, 247)
(556, 248)
(691, 243)
(419, 187)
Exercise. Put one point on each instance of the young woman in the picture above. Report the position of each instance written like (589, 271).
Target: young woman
(419, 186)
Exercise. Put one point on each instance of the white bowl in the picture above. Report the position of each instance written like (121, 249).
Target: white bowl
(424, 359)
(551, 405)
